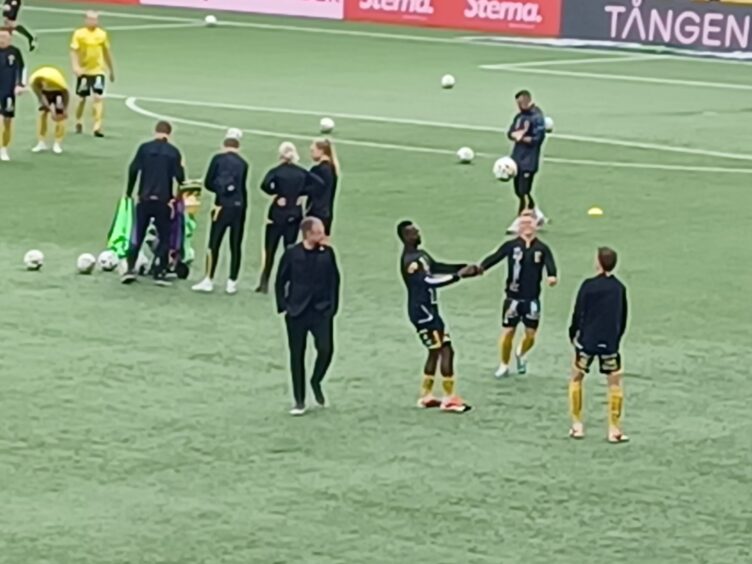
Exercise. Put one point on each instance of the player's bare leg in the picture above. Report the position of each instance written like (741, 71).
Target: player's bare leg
(577, 430)
(451, 402)
(427, 399)
(525, 345)
(506, 342)
(615, 407)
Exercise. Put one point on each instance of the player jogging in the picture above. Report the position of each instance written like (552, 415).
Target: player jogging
(526, 256)
(598, 324)
(12, 73)
(49, 86)
(91, 59)
(423, 276)
(528, 131)
(11, 10)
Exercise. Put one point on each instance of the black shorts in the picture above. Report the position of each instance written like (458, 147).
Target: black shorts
(609, 363)
(88, 83)
(525, 311)
(55, 100)
(432, 332)
(8, 105)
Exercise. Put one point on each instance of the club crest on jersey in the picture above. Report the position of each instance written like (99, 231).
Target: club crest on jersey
(11, 60)
(538, 257)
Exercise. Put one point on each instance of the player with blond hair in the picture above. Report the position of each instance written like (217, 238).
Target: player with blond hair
(51, 89)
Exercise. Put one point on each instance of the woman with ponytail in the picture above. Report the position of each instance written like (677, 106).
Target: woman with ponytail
(321, 204)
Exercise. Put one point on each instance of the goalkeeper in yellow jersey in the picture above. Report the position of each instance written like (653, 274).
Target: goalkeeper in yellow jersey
(51, 89)
(91, 60)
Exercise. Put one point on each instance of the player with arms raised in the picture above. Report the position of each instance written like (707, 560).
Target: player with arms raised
(423, 276)
(598, 324)
(91, 59)
(12, 71)
(526, 256)
(11, 10)
(51, 89)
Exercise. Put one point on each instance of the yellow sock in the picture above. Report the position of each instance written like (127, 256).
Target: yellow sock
(42, 126)
(505, 346)
(527, 343)
(7, 134)
(59, 131)
(615, 405)
(80, 110)
(575, 401)
(98, 110)
(447, 384)
(426, 385)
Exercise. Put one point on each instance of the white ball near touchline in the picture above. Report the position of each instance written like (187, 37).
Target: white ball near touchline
(549, 124)
(34, 260)
(447, 81)
(466, 155)
(210, 20)
(326, 125)
(86, 263)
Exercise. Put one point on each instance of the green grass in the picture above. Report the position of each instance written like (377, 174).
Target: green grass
(139, 425)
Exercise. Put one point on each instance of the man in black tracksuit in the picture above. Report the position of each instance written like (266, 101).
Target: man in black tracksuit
(160, 166)
(11, 83)
(528, 131)
(307, 290)
(227, 177)
(288, 183)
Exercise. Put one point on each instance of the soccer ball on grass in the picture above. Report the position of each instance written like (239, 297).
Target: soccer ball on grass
(85, 263)
(505, 169)
(34, 260)
(465, 155)
(107, 261)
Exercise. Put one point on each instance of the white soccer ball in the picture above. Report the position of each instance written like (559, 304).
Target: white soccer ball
(86, 263)
(326, 125)
(234, 133)
(466, 155)
(549, 124)
(107, 261)
(210, 20)
(505, 169)
(448, 81)
(34, 260)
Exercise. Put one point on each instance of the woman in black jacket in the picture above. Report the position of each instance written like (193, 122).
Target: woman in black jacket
(321, 203)
(288, 183)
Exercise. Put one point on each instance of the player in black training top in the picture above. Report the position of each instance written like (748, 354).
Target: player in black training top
(598, 324)
(526, 256)
(528, 132)
(11, 10)
(227, 178)
(11, 84)
(321, 202)
(423, 276)
(289, 184)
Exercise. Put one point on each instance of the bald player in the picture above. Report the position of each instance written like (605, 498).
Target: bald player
(51, 89)
(91, 59)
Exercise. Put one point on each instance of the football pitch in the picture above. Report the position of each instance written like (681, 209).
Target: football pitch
(148, 425)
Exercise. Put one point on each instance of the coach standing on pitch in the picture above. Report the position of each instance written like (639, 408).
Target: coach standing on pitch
(307, 289)
(160, 166)
(528, 131)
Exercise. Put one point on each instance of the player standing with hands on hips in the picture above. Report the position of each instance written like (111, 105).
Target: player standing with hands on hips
(227, 177)
(307, 290)
(159, 165)
(91, 58)
(12, 71)
(528, 131)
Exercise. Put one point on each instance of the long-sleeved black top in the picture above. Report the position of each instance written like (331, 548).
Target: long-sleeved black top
(525, 264)
(322, 201)
(599, 319)
(308, 278)
(526, 152)
(288, 183)
(12, 68)
(159, 165)
(423, 276)
(227, 177)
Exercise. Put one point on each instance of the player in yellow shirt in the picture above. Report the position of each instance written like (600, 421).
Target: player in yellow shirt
(91, 60)
(51, 89)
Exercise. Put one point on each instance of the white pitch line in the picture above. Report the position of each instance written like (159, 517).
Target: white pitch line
(454, 40)
(445, 125)
(592, 60)
(621, 77)
(136, 27)
(132, 104)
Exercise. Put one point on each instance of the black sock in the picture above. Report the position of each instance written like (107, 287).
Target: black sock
(25, 32)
